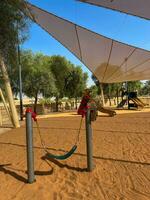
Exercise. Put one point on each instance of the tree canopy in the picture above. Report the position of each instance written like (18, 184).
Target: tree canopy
(37, 79)
(76, 82)
(48, 76)
(60, 68)
(69, 79)
(145, 90)
(13, 19)
(134, 86)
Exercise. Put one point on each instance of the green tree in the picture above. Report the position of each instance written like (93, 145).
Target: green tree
(27, 58)
(97, 83)
(76, 82)
(94, 91)
(145, 90)
(109, 90)
(60, 68)
(37, 78)
(13, 30)
(100, 90)
(134, 86)
(112, 90)
(12, 19)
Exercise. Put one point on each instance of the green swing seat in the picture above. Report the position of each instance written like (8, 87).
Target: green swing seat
(64, 156)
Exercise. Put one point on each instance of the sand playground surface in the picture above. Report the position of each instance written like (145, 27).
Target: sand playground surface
(121, 149)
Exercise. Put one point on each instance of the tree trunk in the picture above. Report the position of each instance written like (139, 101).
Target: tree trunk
(118, 96)
(14, 114)
(57, 99)
(76, 102)
(109, 95)
(109, 100)
(35, 103)
(102, 94)
(5, 104)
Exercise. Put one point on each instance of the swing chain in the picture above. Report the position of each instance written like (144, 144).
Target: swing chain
(33, 114)
(79, 130)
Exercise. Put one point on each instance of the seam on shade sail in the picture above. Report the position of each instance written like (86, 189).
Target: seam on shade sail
(124, 61)
(78, 41)
(136, 66)
(79, 50)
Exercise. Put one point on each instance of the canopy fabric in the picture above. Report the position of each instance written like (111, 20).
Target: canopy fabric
(140, 8)
(109, 60)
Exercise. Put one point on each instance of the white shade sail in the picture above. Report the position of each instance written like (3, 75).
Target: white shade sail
(140, 8)
(109, 60)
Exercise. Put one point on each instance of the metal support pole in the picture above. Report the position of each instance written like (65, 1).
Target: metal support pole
(29, 141)
(89, 143)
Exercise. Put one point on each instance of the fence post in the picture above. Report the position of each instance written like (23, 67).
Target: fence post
(89, 142)
(30, 154)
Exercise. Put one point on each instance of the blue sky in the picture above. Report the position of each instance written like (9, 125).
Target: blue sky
(116, 25)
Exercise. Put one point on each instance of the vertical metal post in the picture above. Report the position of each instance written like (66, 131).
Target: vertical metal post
(89, 143)
(29, 141)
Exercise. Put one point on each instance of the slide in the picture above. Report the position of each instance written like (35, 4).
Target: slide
(121, 104)
(106, 110)
(137, 102)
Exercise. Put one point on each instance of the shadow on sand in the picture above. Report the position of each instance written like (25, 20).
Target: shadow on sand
(7, 169)
(61, 165)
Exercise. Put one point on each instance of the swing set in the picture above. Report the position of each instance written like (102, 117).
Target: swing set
(66, 155)
(29, 137)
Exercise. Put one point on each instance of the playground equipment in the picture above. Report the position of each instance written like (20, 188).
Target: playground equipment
(100, 108)
(132, 101)
(29, 140)
(95, 106)
(137, 103)
(122, 103)
(60, 157)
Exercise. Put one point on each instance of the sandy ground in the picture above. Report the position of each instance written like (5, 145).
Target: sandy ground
(121, 148)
